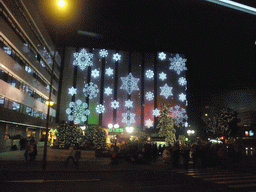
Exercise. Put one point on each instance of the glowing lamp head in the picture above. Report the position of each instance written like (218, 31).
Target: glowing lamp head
(110, 125)
(129, 129)
(49, 102)
(116, 126)
(61, 3)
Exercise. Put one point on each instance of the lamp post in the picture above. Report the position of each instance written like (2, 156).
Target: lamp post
(190, 132)
(50, 102)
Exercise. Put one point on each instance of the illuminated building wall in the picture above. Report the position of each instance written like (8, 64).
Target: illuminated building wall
(128, 88)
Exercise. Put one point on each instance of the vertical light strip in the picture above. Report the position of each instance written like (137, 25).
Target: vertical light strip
(235, 5)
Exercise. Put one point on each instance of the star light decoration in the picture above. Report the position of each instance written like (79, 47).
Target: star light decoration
(72, 91)
(156, 112)
(103, 53)
(78, 111)
(166, 91)
(91, 90)
(149, 123)
(95, 73)
(100, 108)
(109, 71)
(128, 118)
(129, 103)
(108, 91)
(162, 76)
(149, 74)
(115, 104)
(130, 83)
(117, 57)
(182, 97)
(162, 56)
(83, 59)
(149, 96)
(182, 81)
(178, 64)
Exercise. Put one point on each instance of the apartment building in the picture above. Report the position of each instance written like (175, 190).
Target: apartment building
(27, 57)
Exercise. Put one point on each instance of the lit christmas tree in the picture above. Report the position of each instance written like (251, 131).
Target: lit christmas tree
(68, 135)
(166, 126)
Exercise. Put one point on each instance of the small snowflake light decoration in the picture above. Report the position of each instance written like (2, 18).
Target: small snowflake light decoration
(109, 71)
(156, 112)
(162, 76)
(149, 123)
(95, 73)
(130, 83)
(91, 90)
(149, 96)
(178, 64)
(162, 56)
(100, 108)
(117, 57)
(182, 97)
(166, 91)
(128, 103)
(82, 59)
(108, 91)
(77, 111)
(182, 81)
(115, 104)
(149, 74)
(72, 91)
(103, 53)
(128, 118)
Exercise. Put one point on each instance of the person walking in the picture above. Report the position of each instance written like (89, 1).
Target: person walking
(167, 156)
(71, 155)
(32, 150)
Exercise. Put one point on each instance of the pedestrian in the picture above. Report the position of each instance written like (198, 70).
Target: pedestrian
(167, 156)
(186, 157)
(72, 155)
(23, 143)
(176, 155)
(32, 150)
(27, 147)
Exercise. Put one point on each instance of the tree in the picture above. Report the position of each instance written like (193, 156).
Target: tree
(94, 137)
(224, 123)
(68, 135)
(166, 126)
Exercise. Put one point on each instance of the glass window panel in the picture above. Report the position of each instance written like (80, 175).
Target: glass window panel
(29, 111)
(15, 106)
(7, 50)
(1, 101)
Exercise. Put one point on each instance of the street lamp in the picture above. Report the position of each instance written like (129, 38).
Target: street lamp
(116, 126)
(50, 102)
(129, 129)
(190, 132)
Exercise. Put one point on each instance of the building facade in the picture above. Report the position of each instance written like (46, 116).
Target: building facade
(27, 57)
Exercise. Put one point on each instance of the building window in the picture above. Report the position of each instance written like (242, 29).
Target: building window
(1, 101)
(7, 50)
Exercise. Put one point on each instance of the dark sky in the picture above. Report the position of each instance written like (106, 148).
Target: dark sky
(218, 42)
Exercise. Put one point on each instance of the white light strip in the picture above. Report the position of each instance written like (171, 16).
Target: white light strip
(235, 5)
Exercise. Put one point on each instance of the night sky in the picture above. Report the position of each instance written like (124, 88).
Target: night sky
(219, 43)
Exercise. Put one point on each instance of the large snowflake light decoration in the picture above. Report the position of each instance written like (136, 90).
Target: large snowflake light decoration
(182, 81)
(182, 97)
(162, 76)
(91, 90)
(130, 83)
(83, 59)
(95, 73)
(166, 91)
(156, 112)
(100, 108)
(178, 64)
(179, 114)
(72, 91)
(77, 111)
(109, 71)
(108, 91)
(117, 57)
(128, 103)
(149, 96)
(149, 74)
(149, 123)
(162, 56)
(115, 104)
(128, 118)
(103, 53)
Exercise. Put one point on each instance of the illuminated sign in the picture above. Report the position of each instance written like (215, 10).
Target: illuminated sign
(118, 130)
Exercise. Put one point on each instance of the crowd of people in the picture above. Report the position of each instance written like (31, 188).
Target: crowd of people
(199, 155)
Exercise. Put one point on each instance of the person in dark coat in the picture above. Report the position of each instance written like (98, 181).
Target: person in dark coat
(32, 150)
(23, 143)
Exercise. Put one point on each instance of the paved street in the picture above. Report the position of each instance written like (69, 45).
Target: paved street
(98, 174)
